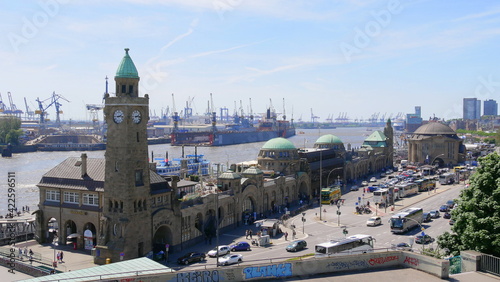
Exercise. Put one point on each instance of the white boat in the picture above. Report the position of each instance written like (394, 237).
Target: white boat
(190, 165)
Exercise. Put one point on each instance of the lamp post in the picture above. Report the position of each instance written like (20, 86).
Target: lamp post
(303, 221)
(421, 228)
(328, 177)
(338, 213)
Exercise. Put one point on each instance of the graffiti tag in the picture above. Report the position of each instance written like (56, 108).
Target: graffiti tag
(382, 260)
(277, 270)
(412, 261)
(347, 265)
(206, 275)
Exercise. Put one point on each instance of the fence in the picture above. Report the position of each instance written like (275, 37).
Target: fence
(490, 264)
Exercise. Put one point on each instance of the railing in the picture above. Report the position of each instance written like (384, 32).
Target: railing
(490, 264)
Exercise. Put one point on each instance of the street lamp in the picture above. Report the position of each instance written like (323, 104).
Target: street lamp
(303, 221)
(328, 177)
(338, 212)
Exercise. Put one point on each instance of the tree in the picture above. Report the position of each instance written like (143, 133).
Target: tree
(477, 216)
(8, 123)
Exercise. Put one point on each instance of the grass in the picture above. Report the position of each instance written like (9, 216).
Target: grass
(301, 257)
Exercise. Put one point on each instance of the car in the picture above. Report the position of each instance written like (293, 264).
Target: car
(447, 215)
(191, 257)
(296, 246)
(452, 221)
(423, 239)
(240, 246)
(373, 188)
(354, 188)
(374, 221)
(426, 217)
(434, 214)
(364, 183)
(230, 259)
(450, 204)
(373, 179)
(444, 208)
(402, 246)
(223, 250)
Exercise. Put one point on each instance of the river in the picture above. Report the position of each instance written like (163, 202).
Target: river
(30, 167)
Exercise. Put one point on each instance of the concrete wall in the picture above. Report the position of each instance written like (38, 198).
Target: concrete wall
(310, 266)
(470, 260)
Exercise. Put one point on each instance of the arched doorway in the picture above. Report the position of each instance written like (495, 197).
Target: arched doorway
(198, 222)
(162, 239)
(89, 236)
(52, 230)
(249, 211)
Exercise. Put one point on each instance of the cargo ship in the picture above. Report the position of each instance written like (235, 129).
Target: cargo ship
(242, 130)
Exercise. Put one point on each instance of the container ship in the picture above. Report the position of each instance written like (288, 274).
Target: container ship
(243, 130)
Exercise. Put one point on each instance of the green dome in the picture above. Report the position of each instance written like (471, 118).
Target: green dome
(253, 170)
(329, 139)
(279, 143)
(229, 175)
(127, 69)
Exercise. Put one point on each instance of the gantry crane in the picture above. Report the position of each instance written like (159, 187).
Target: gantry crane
(3, 107)
(30, 115)
(13, 109)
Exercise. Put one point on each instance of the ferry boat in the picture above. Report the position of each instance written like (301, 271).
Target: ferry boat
(190, 165)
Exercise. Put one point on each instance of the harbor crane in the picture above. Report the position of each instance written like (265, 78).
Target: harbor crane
(13, 109)
(3, 107)
(94, 115)
(55, 100)
(30, 115)
(313, 117)
(43, 105)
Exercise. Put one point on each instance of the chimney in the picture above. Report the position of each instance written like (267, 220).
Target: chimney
(83, 166)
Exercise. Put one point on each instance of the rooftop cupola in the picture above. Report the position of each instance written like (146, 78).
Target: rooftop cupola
(127, 77)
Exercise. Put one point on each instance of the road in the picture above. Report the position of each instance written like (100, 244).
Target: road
(319, 231)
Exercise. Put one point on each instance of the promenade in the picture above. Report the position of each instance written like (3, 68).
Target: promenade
(81, 259)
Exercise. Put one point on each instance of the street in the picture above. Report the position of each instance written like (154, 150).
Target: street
(316, 231)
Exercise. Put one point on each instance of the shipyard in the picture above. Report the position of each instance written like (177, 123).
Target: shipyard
(245, 141)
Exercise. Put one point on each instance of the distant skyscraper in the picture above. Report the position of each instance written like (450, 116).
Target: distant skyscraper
(418, 111)
(490, 107)
(472, 108)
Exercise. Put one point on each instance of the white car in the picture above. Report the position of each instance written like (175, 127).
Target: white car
(223, 250)
(230, 259)
(373, 179)
(374, 221)
(364, 183)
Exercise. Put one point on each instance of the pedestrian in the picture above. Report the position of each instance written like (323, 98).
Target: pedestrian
(25, 251)
(20, 253)
(58, 256)
(368, 203)
(293, 234)
(343, 200)
(246, 234)
(250, 233)
(61, 256)
(31, 252)
(286, 236)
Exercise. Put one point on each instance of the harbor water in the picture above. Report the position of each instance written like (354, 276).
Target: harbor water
(30, 167)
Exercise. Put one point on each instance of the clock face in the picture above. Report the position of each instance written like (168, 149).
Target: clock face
(118, 116)
(136, 116)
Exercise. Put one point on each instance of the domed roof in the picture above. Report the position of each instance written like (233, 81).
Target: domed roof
(127, 69)
(253, 170)
(434, 128)
(329, 139)
(229, 175)
(279, 143)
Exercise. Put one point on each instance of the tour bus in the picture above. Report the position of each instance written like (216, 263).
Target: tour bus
(355, 244)
(407, 189)
(447, 178)
(330, 194)
(425, 184)
(380, 196)
(406, 220)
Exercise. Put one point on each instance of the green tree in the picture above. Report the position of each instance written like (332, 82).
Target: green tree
(13, 136)
(477, 217)
(8, 123)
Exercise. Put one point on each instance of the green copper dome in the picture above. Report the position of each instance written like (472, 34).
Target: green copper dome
(127, 69)
(329, 139)
(279, 143)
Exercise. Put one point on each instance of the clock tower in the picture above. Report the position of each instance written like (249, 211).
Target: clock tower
(125, 225)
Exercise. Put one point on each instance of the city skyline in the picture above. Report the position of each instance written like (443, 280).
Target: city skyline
(358, 57)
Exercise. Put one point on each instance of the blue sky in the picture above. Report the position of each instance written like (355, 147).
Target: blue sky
(354, 56)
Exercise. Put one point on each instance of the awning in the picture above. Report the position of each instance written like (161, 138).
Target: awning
(73, 235)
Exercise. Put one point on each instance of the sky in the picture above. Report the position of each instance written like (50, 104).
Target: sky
(326, 58)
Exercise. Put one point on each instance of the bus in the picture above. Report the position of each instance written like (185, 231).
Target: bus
(380, 196)
(407, 189)
(330, 194)
(355, 244)
(447, 178)
(406, 220)
(425, 184)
